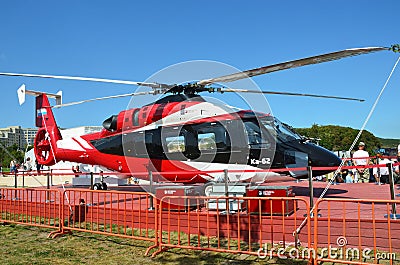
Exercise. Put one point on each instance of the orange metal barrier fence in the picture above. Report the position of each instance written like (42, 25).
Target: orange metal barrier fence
(34, 207)
(356, 231)
(348, 231)
(247, 225)
(112, 213)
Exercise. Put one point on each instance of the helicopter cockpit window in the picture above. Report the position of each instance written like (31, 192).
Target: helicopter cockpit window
(285, 132)
(269, 124)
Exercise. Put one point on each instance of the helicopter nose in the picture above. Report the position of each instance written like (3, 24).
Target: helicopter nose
(321, 157)
(309, 154)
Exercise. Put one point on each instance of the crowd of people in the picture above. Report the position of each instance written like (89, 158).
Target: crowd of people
(365, 170)
(26, 166)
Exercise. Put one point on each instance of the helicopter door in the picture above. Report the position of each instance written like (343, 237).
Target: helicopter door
(191, 146)
(295, 159)
(213, 143)
(260, 143)
(239, 149)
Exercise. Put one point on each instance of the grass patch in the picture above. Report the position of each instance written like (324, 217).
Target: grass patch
(30, 245)
(28, 219)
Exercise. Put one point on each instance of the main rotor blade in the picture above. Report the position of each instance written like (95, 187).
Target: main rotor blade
(292, 64)
(223, 90)
(102, 80)
(103, 98)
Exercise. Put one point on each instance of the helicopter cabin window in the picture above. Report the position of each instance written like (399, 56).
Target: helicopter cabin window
(135, 117)
(206, 141)
(180, 142)
(191, 141)
(175, 144)
(173, 139)
(110, 124)
(212, 136)
(144, 112)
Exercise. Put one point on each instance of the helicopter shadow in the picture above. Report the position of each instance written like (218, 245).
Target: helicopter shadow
(330, 193)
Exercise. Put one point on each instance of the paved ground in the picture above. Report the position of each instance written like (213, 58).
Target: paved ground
(32, 181)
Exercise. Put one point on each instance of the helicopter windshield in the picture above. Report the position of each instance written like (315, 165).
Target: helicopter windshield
(282, 131)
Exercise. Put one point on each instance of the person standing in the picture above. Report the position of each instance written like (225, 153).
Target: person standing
(372, 162)
(383, 176)
(28, 164)
(13, 166)
(38, 167)
(398, 152)
(361, 159)
(349, 177)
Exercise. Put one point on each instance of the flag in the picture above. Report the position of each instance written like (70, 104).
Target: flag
(41, 112)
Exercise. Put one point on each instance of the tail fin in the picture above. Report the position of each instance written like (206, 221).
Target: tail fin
(44, 113)
(48, 134)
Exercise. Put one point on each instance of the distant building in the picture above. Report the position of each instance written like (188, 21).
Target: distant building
(17, 135)
(26, 136)
(72, 132)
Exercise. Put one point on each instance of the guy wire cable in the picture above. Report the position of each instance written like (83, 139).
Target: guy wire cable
(55, 160)
(352, 145)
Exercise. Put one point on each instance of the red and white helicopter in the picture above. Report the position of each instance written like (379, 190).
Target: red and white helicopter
(185, 138)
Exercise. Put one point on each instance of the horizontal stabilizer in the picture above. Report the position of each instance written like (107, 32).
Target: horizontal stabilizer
(22, 91)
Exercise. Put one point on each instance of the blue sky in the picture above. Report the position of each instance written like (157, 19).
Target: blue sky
(133, 40)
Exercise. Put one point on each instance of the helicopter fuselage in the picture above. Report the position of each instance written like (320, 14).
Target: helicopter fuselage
(190, 140)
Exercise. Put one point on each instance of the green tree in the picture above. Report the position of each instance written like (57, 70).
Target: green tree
(9, 153)
(338, 138)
